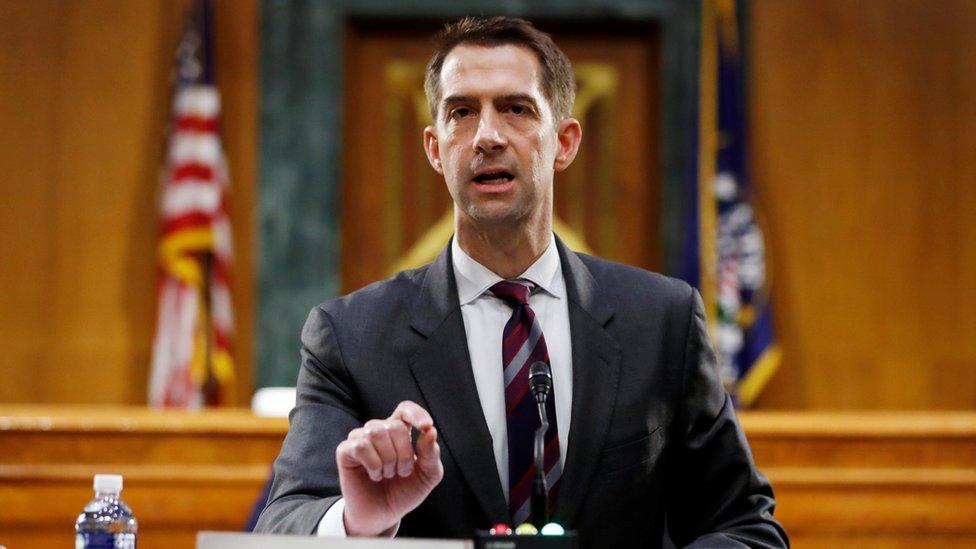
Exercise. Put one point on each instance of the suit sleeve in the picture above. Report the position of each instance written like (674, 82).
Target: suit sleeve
(306, 480)
(718, 497)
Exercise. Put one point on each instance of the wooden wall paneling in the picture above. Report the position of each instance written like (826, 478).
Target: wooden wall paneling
(29, 87)
(366, 204)
(89, 303)
(863, 127)
(236, 24)
(87, 91)
(626, 227)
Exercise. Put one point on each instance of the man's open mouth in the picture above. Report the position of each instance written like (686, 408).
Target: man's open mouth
(494, 177)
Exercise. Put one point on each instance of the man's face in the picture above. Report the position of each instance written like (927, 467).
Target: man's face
(495, 140)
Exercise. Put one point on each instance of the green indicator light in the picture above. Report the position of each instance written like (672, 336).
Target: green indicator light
(552, 529)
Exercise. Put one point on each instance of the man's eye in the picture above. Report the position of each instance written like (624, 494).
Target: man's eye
(460, 112)
(518, 109)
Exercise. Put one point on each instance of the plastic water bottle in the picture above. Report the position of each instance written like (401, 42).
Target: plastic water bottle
(107, 522)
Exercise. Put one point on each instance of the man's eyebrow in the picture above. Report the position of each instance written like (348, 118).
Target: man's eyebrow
(510, 98)
(455, 99)
(518, 97)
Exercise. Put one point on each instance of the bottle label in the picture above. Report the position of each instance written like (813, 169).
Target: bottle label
(102, 540)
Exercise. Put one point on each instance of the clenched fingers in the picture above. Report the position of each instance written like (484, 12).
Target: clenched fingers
(383, 447)
(358, 450)
(391, 438)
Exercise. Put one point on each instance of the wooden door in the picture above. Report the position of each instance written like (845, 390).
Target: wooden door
(396, 211)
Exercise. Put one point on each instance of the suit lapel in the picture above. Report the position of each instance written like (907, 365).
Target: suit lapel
(596, 369)
(442, 368)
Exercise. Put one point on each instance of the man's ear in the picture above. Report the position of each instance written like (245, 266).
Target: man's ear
(433, 150)
(569, 134)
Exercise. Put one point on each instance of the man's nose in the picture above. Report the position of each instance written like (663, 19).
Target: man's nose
(490, 137)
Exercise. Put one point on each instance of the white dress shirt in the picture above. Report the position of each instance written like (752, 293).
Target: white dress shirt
(484, 317)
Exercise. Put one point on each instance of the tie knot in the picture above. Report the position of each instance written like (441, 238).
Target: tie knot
(514, 292)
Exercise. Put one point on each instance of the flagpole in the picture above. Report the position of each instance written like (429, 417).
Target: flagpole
(708, 142)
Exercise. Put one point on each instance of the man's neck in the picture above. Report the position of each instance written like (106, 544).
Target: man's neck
(506, 251)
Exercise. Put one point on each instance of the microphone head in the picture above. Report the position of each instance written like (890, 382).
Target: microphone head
(540, 379)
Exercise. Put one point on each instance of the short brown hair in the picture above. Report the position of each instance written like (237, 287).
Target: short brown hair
(558, 83)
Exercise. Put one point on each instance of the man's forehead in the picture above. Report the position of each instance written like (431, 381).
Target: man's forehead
(474, 70)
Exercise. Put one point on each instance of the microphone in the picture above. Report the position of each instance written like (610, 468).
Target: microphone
(540, 382)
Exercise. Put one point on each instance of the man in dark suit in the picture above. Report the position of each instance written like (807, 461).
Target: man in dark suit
(642, 431)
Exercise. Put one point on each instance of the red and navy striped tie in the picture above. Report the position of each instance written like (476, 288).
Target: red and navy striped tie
(522, 345)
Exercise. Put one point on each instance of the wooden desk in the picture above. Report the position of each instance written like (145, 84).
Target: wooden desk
(841, 479)
(183, 471)
(874, 479)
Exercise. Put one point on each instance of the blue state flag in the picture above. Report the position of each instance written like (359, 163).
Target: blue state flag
(724, 253)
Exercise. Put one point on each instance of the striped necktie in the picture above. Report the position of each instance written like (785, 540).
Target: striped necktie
(522, 345)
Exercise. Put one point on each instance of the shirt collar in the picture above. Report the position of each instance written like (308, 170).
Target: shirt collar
(474, 279)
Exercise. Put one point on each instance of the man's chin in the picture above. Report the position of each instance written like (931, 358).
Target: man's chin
(494, 215)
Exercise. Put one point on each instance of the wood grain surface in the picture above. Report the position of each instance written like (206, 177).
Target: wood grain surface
(863, 119)
(85, 91)
(867, 479)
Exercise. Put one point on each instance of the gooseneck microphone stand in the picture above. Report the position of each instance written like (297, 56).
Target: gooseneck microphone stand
(540, 380)
(550, 536)
(540, 492)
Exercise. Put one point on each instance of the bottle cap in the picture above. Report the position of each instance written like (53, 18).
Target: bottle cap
(108, 483)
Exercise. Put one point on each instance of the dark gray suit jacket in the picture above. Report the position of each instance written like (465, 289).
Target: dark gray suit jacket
(653, 436)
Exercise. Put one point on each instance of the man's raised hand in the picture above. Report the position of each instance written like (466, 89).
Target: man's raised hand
(382, 475)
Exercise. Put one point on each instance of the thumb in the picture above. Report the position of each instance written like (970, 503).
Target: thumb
(429, 452)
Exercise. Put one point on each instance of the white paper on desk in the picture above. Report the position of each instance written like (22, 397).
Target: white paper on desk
(227, 540)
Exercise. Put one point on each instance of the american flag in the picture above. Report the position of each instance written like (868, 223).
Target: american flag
(192, 365)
